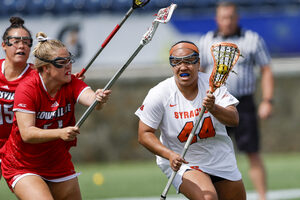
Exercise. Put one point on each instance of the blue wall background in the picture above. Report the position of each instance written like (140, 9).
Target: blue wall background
(281, 32)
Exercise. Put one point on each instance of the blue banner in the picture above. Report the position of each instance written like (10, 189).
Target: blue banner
(280, 32)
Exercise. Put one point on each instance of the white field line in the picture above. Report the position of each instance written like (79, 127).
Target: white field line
(272, 195)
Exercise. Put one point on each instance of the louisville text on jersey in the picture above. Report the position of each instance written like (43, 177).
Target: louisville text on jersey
(7, 95)
(47, 115)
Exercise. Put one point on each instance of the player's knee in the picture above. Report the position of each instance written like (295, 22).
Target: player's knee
(203, 195)
(210, 196)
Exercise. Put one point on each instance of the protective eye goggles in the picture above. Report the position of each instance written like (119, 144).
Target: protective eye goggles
(15, 41)
(189, 59)
(60, 62)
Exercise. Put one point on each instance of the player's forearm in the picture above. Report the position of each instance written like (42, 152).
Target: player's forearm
(36, 135)
(153, 144)
(228, 116)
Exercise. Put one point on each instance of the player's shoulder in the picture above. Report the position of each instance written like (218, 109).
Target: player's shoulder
(75, 83)
(165, 84)
(32, 78)
(30, 70)
(163, 89)
(203, 76)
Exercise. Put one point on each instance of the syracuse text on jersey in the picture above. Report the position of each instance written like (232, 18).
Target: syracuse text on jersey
(188, 114)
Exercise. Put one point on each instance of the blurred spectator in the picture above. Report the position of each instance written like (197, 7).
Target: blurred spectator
(69, 35)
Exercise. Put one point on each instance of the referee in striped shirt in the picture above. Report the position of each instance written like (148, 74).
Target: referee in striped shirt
(243, 84)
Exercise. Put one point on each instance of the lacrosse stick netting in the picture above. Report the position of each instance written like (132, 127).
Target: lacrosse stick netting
(139, 3)
(225, 56)
(163, 16)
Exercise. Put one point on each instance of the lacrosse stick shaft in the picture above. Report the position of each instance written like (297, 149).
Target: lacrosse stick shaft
(106, 41)
(108, 86)
(185, 148)
(165, 14)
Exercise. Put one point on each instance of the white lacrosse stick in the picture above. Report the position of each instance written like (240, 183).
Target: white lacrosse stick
(135, 4)
(225, 56)
(163, 16)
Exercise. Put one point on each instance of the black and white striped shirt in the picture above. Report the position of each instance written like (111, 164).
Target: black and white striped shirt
(253, 50)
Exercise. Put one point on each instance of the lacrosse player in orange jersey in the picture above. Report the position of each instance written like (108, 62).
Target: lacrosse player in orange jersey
(209, 169)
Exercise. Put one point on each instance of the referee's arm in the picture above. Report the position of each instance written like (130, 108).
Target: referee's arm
(267, 86)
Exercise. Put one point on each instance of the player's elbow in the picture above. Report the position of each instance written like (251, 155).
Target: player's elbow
(144, 139)
(26, 138)
(234, 121)
(141, 139)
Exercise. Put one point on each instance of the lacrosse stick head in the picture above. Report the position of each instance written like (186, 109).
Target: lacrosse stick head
(163, 16)
(225, 56)
(139, 3)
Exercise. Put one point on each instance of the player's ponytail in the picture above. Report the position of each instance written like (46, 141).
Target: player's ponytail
(45, 49)
(16, 21)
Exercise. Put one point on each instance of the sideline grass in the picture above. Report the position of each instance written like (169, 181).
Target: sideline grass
(132, 179)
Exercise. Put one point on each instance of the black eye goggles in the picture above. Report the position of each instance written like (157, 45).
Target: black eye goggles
(26, 40)
(59, 62)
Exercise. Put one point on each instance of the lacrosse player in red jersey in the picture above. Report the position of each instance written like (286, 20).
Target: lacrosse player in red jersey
(209, 169)
(36, 163)
(14, 68)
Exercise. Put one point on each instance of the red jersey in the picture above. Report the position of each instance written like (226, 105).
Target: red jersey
(7, 93)
(50, 159)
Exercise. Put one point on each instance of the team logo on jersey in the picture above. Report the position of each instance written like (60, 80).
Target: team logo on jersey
(55, 104)
(142, 107)
(22, 105)
(5, 87)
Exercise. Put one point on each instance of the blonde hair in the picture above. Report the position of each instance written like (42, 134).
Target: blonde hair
(45, 49)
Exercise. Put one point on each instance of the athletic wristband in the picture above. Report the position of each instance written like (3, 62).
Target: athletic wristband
(270, 101)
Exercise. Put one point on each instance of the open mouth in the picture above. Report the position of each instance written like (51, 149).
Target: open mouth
(68, 73)
(184, 75)
(20, 53)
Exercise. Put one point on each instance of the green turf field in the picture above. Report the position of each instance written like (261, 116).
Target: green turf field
(137, 179)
